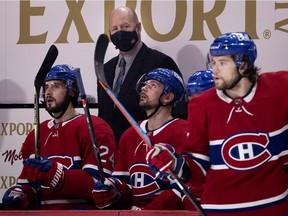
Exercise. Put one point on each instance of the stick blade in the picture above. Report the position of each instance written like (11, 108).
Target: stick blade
(45, 67)
(99, 55)
(101, 47)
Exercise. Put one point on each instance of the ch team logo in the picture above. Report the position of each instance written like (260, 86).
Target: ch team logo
(142, 180)
(246, 151)
(66, 161)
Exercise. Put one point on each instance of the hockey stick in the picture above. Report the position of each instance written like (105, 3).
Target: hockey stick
(131, 120)
(99, 55)
(89, 122)
(100, 50)
(38, 82)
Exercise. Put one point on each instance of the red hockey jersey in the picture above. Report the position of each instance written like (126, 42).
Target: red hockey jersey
(148, 191)
(69, 143)
(241, 145)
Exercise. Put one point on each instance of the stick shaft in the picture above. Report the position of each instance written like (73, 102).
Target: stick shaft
(38, 82)
(90, 124)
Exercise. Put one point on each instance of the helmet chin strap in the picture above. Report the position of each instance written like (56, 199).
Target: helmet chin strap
(236, 81)
(158, 107)
(63, 107)
(240, 76)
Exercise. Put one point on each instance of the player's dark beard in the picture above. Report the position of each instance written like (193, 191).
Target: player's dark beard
(236, 81)
(60, 106)
(151, 107)
(230, 85)
(148, 106)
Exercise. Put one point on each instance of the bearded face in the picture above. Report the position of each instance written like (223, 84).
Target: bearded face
(56, 106)
(56, 96)
(150, 94)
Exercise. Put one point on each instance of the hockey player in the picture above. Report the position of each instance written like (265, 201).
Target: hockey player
(239, 138)
(198, 82)
(133, 185)
(67, 170)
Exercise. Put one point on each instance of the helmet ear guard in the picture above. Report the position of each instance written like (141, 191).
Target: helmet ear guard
(167, 99)
(236, 44)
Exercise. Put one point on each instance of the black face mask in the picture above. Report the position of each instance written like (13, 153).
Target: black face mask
(124, 40)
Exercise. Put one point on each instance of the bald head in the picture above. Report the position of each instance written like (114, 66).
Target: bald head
(123, 18)
(123, 13)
